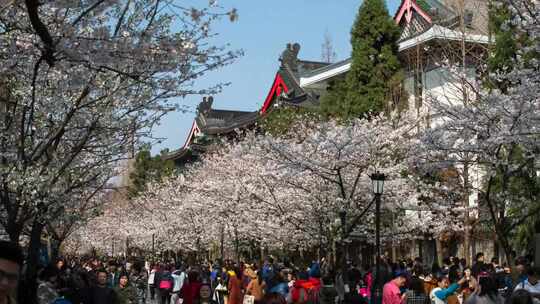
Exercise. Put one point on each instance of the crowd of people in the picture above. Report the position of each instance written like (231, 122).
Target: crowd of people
(135, 281)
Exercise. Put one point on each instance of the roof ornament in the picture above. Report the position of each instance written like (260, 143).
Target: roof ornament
(289, 56)
(406, 10)
(205, 105)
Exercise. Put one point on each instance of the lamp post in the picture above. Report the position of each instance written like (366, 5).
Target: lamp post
(377, 181)
(343, 219)
(153, 246)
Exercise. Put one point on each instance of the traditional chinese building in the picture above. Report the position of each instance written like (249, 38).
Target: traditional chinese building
(434, 34)
(210, 127)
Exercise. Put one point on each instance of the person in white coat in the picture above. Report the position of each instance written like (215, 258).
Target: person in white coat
(152, 281)
(532, 284)
(179, 276)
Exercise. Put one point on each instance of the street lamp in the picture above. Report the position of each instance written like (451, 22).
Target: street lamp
(343, 219)
(377, 181)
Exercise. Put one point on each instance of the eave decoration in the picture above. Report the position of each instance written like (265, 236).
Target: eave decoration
(406, 10)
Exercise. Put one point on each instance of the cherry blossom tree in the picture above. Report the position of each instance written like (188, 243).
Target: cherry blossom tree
(499, 132)
(285, 192)
(84, 82)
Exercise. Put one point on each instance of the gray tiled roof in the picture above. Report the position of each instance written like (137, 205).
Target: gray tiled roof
(224, 121)
(326, 68)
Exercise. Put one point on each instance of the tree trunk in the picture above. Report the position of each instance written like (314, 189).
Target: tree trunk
(438, 246)
(236, 245)
(467, 221)
(222, 244)
(13, 231)
(29, 285)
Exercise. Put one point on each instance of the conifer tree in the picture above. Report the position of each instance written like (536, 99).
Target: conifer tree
(504, 49)
(375, 65)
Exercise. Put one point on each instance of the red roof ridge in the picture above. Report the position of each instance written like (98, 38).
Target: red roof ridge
(405, 9)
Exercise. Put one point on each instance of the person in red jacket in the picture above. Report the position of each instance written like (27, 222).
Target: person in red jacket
(190, 290)
(236, 295)
(298, 294)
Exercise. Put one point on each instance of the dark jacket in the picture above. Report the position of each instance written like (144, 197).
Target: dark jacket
(113, 282)
(101, 295)
(327, 294)
(281, 288)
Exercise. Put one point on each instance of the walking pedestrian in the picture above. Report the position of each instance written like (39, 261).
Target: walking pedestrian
(416, 294)
(114, 275)
(179, 276)
(391, 290)
(190, 290)
(256, 287)
(11, 260)
(101, 293)
(440, 294)
(235, 287)
(485, 291)
(46, 291)
(328, 293)
(520, 296)
(165, 283)
(140, 281)
(152, 281)
(126, 293)
(532, 283)
(205, 295)
(479, 265)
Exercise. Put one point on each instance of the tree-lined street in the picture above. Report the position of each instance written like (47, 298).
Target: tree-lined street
(422, 146)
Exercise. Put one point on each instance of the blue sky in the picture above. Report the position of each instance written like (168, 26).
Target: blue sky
(262, 31)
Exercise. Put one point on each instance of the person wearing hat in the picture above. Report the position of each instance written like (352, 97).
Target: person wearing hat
(11, 260)
(391, 290)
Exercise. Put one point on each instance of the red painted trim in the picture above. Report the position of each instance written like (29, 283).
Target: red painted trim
(421, 12)
(193, 132)
(275, 90)
(406, 9)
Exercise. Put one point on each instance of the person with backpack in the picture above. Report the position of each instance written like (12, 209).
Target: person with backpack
(165, 283)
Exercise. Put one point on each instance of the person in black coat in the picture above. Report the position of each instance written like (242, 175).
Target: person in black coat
(101, 294)
(479, 265)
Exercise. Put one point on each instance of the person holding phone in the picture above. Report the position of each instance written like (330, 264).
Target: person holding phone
(391, 290)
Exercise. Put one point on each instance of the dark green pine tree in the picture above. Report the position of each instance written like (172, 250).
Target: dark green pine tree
(503, 52)
(148, 168)
(375, 66)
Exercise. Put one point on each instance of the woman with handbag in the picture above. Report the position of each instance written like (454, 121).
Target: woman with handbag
(256, 287)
